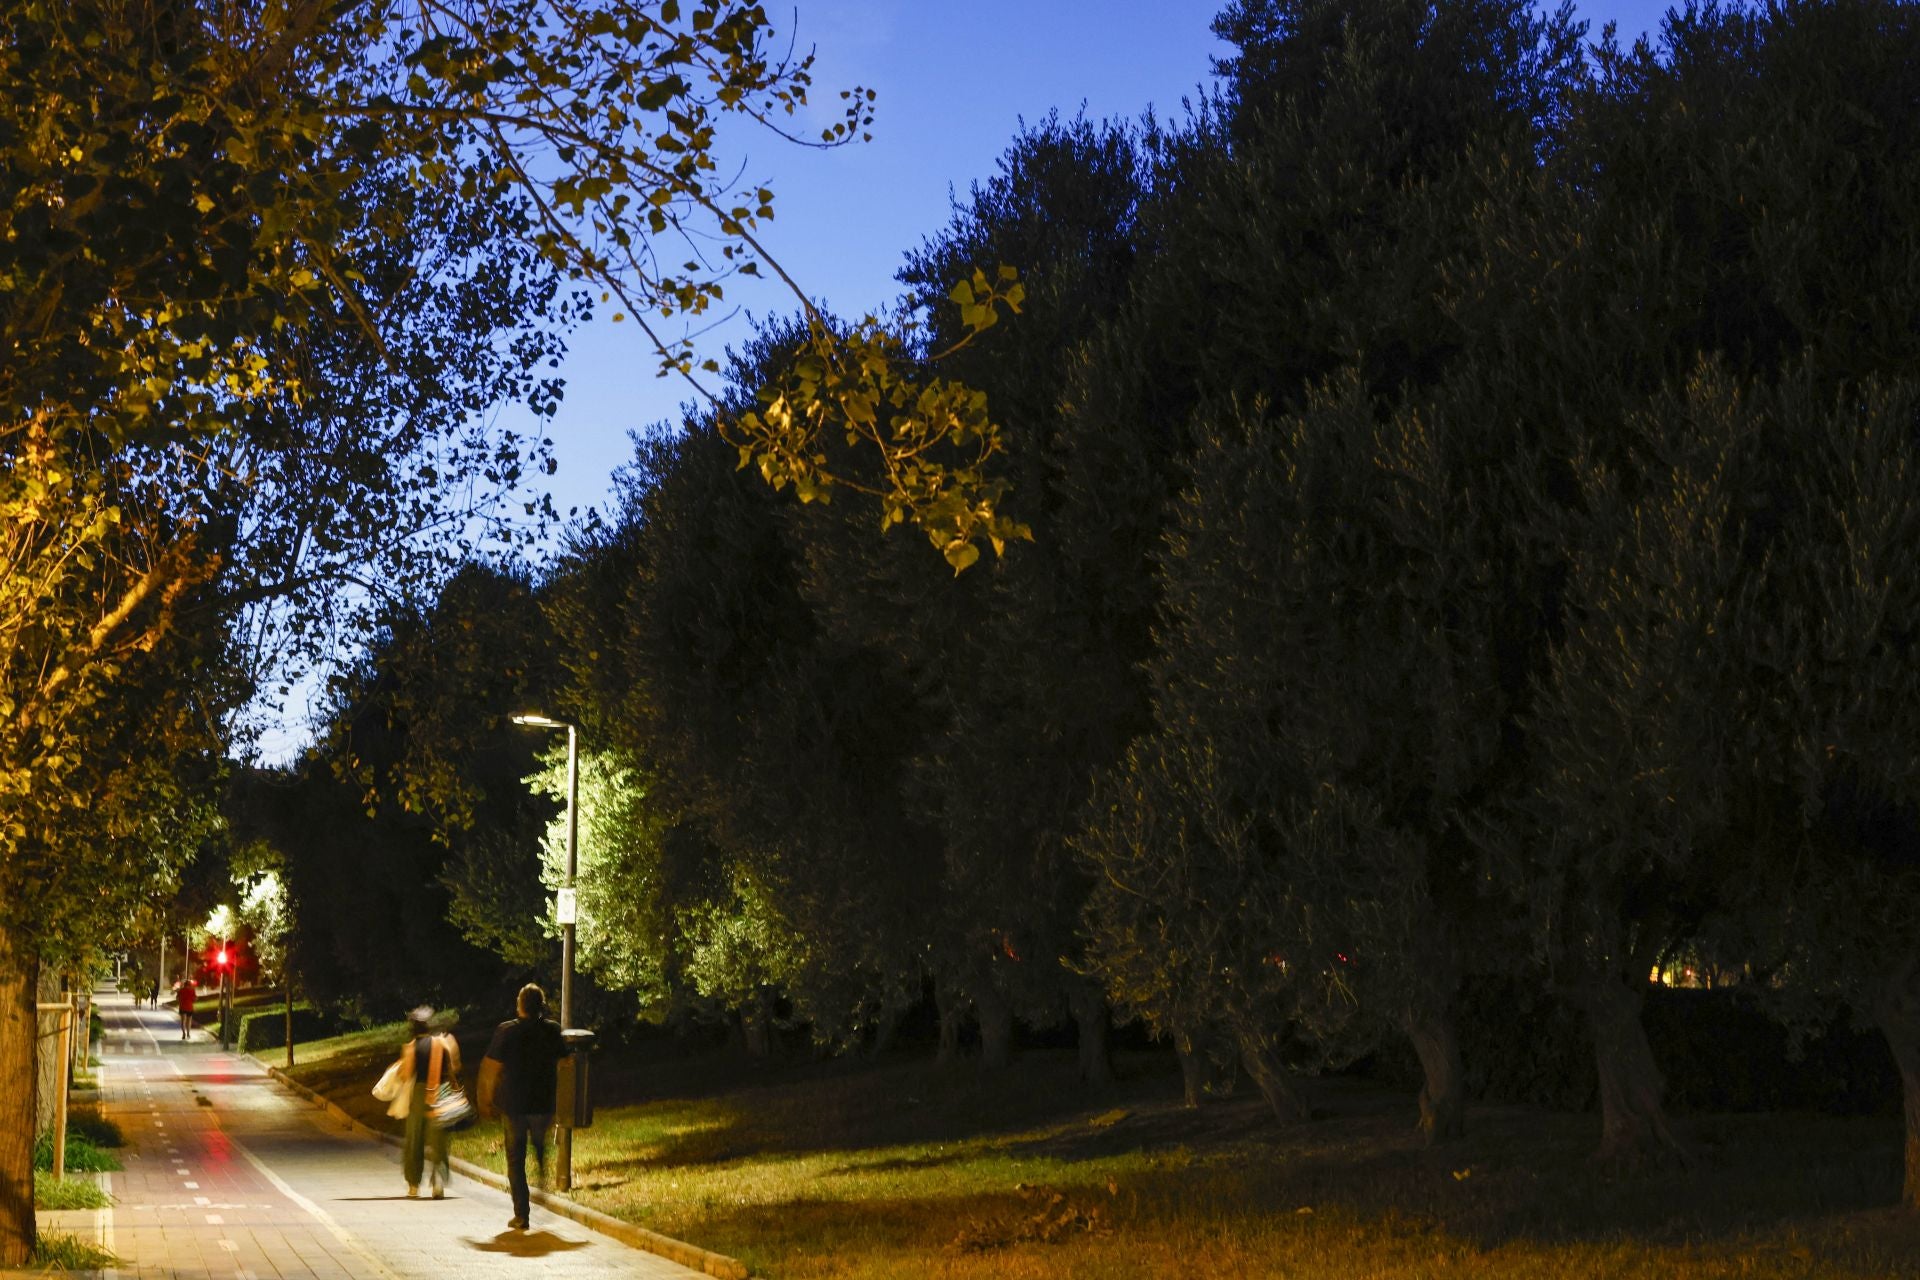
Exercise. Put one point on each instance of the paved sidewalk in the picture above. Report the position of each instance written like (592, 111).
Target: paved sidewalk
(227, 1176)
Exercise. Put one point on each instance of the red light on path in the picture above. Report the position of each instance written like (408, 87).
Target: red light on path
(221, 959)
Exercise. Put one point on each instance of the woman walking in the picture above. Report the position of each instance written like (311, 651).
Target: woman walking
(426, 1062)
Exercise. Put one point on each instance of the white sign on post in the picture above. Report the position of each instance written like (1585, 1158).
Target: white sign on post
(566, 908)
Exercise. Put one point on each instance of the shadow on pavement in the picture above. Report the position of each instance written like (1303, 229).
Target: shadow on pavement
(527, 1244)
(402, 1196)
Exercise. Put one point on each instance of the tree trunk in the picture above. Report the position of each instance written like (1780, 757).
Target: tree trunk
(1633, 1121)
(1443, 1096)
(81, 1056)
(49, 1070)
(1271, 1079)
(1898, 1014)
(1905, 1044)
(19, 1029)
(1090, 1020)
(951, 1012)
(756, 1028)
(995, 1012)
(1193, 1068)
(885, 1028)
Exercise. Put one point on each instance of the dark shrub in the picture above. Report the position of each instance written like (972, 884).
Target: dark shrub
(1718, 1050)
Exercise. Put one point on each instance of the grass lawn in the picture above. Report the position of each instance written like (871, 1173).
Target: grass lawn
(59, 1254)
(863, 1171)
(50, 1192)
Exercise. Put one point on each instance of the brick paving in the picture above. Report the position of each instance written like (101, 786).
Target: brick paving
(226, 1175)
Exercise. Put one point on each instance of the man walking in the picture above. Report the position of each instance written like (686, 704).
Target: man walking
(518, 1080)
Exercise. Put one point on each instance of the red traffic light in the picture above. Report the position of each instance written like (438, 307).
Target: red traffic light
(221, 959)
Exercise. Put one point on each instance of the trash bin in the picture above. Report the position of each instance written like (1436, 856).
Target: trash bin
(575, 1102)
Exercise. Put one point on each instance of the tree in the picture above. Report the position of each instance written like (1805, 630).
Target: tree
(625, 935)
(767, 749)
(374, 932)
(920, 699)
(1842, 649)
(1328, 667)
(1020, 693)
(450, 677)
(98, 808)
(215, 219)
(1328, 639)
(420, 746)
(1697, 210)
(149, 278)
(1639, 725)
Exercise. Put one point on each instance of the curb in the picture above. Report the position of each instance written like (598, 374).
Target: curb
(718, 1265)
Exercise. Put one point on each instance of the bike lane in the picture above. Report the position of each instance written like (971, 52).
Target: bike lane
(226, 1175)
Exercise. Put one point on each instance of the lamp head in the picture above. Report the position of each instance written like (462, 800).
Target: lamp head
(541, 722)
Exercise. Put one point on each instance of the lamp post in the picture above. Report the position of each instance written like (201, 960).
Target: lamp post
(563, 1146)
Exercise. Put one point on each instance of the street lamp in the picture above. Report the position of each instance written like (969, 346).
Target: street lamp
(563, 1148)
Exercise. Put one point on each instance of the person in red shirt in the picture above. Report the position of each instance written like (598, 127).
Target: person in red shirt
(184, 993)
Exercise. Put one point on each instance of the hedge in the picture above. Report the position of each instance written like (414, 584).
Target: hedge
(266, 1028)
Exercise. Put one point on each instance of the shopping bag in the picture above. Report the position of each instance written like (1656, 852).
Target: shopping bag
(388, 1087)
(451, 1108)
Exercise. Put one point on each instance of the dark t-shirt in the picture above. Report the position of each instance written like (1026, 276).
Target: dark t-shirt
(422, 1058)
(528, 1050)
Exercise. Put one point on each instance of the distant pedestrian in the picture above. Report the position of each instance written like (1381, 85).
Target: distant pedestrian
(518, 1081)
(183, 995)
(426, 1061)
(154, 995)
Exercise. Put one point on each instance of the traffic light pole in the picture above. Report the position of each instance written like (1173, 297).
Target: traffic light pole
(223, 970)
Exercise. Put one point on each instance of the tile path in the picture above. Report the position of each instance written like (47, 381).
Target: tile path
(227, 1176)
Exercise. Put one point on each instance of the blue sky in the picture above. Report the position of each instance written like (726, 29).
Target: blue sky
(954, 82)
